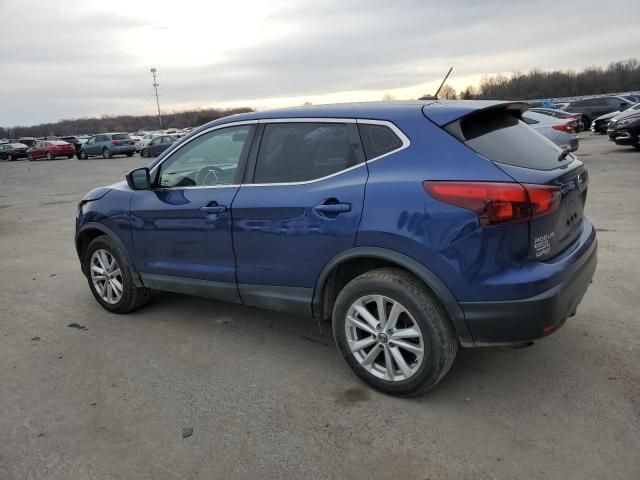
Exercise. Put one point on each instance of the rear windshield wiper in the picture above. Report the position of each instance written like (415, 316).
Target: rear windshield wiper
(564, 154)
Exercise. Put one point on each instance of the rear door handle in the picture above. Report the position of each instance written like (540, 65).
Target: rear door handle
(333, 208)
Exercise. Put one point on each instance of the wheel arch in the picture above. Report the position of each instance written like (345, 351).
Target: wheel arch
(358, 260)
(88, 232)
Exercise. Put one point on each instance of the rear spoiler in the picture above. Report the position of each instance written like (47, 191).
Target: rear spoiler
(446, 111)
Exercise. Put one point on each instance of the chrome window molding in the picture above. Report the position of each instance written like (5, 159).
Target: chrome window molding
(405, 144)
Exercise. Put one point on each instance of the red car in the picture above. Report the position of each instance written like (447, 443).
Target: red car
(51, 149)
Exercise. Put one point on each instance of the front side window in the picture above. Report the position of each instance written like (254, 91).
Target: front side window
(209, 160)
(297, 152)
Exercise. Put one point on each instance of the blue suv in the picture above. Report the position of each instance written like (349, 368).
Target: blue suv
(414, 227)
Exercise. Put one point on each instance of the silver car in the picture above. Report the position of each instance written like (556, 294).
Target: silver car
(560, 131)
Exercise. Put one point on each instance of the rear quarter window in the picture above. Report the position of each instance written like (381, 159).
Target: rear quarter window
(120, 136)
(501, 136)
(378, 139)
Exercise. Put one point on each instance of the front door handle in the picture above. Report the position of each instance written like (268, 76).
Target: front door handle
(213, 209)
(333, 208)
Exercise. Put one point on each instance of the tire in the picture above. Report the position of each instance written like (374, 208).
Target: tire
(636, 146)
(130, 154)
(106, 153)
(586, 123)
(50, 156)
(132, 297)
(437, 336)
(144, 153)
(82, 155)
(30, 157)
(69, 157)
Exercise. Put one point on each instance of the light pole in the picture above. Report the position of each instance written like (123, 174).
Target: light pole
(155, 86)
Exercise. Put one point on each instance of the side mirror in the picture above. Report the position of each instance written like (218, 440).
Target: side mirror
(139, 179)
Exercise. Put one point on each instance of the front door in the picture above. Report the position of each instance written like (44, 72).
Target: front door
(182, 227)
(302, 208)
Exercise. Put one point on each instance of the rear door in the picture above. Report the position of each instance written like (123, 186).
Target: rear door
(528, 157)
(300, 206)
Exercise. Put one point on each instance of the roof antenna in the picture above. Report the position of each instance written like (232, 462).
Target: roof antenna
(435, 97)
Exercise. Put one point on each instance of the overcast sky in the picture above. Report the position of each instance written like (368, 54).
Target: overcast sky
(74, 58)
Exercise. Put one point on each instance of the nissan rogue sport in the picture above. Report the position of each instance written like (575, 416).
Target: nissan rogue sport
(415, 228)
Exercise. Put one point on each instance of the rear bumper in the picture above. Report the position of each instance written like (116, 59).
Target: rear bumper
(519, 321)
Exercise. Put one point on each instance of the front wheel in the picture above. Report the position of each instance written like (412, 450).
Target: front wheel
(393, 333)
(50, 156)
(110, 279)
(144, 153)
(82, 155)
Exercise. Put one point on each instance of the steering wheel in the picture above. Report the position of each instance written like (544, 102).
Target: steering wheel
(209, 175)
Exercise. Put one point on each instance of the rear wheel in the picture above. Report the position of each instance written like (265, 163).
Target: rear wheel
(393, 333)
(586, 123)
(50, 156)
(106, 153)
(130, 154)
(110, 278)
(29, 157)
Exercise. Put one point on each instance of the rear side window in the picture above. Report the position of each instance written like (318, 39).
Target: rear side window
(120, 136)
(297, 152)
(378, 140)
(501, 136)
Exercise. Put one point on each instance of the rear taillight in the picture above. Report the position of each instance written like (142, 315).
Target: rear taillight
(497, 202)
(115, 142)
(564, 127)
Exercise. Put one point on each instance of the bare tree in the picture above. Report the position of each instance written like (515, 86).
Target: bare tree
(388, 97)
(447, 92)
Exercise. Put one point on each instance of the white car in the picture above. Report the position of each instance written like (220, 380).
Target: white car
(145, 140)
(560, 131)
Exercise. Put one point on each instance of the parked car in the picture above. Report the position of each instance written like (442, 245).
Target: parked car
(13, 151)
(561, 131)
(28, 141)
(51, 149)
(602, 123)
(471, 231)
(145, 139)
(553, 112)
(73, 141)
(624, 131)
(157, 146)
(591, 108)
(107, 145)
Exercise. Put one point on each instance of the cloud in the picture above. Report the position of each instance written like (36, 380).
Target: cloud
(73, 58)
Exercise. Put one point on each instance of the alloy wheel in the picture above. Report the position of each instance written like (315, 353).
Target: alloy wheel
(384, 338)
(106, 276)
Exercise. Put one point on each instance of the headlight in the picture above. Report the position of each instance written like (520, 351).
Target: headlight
(623, 122)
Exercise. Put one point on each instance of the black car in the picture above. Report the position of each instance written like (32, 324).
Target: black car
(625, 131)
(591, 108)
(13, 151)
(158, 145)
(73, 141)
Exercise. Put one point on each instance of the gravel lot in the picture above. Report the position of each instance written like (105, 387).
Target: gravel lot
(268, 395)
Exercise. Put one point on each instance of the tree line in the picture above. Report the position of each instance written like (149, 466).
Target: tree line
(121, 123)
(621, 76)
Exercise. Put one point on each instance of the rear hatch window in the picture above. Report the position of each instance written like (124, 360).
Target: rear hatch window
(529, 158)
(502, 137)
